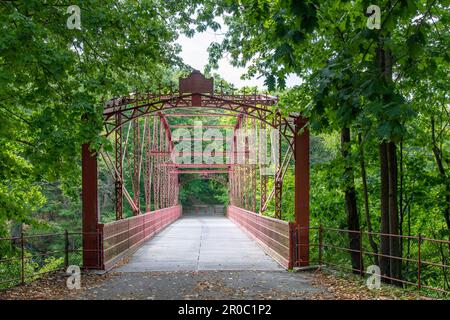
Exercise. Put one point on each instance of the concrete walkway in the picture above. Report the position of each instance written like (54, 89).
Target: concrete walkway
(200, 243)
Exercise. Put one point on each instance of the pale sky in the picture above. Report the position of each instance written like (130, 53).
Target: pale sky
(194, 53)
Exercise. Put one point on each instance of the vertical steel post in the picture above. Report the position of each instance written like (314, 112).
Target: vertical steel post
(155, 149)
(167, 174)
(292, 244)
(253, 167)
(118, 175)
(238, 168)
(91, 243)
(136, 164)
(361, 257)
(262, 175)
(245, 164)
(320, 244)
(278, 180)
(162, 182)
(147, 166)
(301, 153)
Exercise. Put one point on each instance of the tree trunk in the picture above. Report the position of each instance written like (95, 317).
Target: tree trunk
(390, 245)
(350, 202)
(384, 206)
(362, 162)
(439, 161)
(400, 197)
(394, 241)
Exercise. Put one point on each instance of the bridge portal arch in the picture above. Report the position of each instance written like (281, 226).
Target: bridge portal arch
(195, 98)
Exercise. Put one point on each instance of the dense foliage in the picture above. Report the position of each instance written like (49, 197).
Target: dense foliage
(55, 80)
(383, 92)
(377, 100)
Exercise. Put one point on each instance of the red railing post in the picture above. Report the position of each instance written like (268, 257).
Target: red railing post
(361, 268)
(101, 247)
(320, 244)
(292, 247)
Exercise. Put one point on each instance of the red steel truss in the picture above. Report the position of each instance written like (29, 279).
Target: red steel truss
(144, 154)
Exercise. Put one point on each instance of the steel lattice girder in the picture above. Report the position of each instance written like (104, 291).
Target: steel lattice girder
(131, 108)
(118, 174)
(136, 164)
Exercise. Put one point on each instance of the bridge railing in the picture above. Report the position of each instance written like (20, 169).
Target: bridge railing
(424, 262)
(28, 257)
(206, 210)
(122, 237)
(272, 234)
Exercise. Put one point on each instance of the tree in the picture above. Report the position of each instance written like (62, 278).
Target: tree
(51, 76)
(352, 76)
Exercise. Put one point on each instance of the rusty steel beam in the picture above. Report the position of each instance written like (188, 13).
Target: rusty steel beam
(280, 175)
(200, 115)
(301, 143)
(236, 173)
(113, 170)
(263, 177)
(253, 177)
(167, 129)
(278, 182)
(136, 164)
(148, 167)
(156, 175)
(90, 214)
(118, 176)
(143, 100)
(166, 173)
(246, 168)
(161, 188)
(209, 126)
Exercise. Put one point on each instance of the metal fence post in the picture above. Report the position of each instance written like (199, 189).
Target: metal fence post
(291, 246)
(419, 262)
(66, 248)
(320, 244)
(22, 248)
(361, 267)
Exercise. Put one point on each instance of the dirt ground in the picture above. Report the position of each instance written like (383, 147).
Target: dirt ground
(204, 285)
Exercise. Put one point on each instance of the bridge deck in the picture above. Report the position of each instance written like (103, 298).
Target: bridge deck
(200, 243)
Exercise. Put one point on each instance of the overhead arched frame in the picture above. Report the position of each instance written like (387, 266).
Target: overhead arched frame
(195, 94)
(252, 105)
